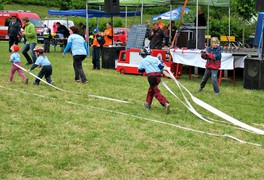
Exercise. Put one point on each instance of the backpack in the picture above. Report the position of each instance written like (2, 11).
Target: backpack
(100, 40)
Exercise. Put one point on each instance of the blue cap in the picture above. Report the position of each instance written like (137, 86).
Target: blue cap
(95, 30)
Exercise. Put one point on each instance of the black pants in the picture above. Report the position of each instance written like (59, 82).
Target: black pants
(46, 45)
(96, 58)
(78, 70)
(45, 71)
(12, 40)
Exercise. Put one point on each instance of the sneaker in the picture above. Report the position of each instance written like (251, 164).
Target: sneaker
(26, 81)
(77, 80)
(200, 89)
(36, 84)
(167, 106)
(85, 82)
(218, 94)
(147, 105)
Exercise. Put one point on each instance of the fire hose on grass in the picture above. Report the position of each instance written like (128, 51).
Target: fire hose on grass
(91, 95)
(208, 107)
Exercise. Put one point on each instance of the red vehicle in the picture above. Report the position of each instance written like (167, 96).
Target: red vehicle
(6, 16)
(121, 35)
(130, 59)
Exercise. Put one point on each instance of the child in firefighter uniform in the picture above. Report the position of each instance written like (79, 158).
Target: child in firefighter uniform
(43, 63)
(98, 42)
(153, 67)
(47, 37)
(15, 59)
(213, 56)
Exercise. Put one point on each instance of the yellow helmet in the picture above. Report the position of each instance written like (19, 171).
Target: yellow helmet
(214, 40)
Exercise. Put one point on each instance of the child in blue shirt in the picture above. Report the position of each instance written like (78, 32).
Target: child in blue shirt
(15, 59)
(43, 63)
(153, 67)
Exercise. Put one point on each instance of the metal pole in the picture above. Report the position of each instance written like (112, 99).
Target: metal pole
(196, 35)
(126, 18)
(141, 16)
(97, 19)
(208, 25)
(229, 22)
(87, 25)
(170, 25)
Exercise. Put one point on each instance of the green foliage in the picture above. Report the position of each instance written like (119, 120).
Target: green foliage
(241, 11)
(3, 3)
(244, 8)
(66, 4)
(155, 10)
(47, 3)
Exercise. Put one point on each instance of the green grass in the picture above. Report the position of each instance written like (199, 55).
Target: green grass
(41, 11)
(69, 136)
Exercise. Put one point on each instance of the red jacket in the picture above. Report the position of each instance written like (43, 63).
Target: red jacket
(213, 59)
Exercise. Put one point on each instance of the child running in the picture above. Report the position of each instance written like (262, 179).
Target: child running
(15, 59)
(43, 63)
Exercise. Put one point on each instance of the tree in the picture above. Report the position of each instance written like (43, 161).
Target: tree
(65, 4)
(245, 10)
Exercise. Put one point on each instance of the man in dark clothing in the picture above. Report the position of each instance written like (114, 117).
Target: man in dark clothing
(82, 30)
(61, 29)
(201, 18)
(14, 28)
(173, 30)
(148, 29)
(156, 37)
(201, 32)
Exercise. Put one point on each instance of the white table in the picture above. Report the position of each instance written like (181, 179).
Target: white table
(192, 57)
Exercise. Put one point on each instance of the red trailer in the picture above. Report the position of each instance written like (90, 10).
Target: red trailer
(130, 59)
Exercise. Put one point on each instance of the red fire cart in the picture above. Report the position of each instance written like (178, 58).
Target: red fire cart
(130, 59)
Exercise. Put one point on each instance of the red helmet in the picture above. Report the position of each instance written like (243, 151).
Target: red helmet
(15, 48)
(38, 49)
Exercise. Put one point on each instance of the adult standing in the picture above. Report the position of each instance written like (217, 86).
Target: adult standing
(108, 34)
(201, 18)
(98, 42)
(14, 28)
(82, 30)
(201, 29)
(156, 37)
(170, 33)
(47, 37)
(148, 29)
(31, 40)
(146, 41)
(160, 23)
(173, 30)
(79, 51)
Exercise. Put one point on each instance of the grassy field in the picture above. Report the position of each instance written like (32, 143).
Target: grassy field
(49, 134)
